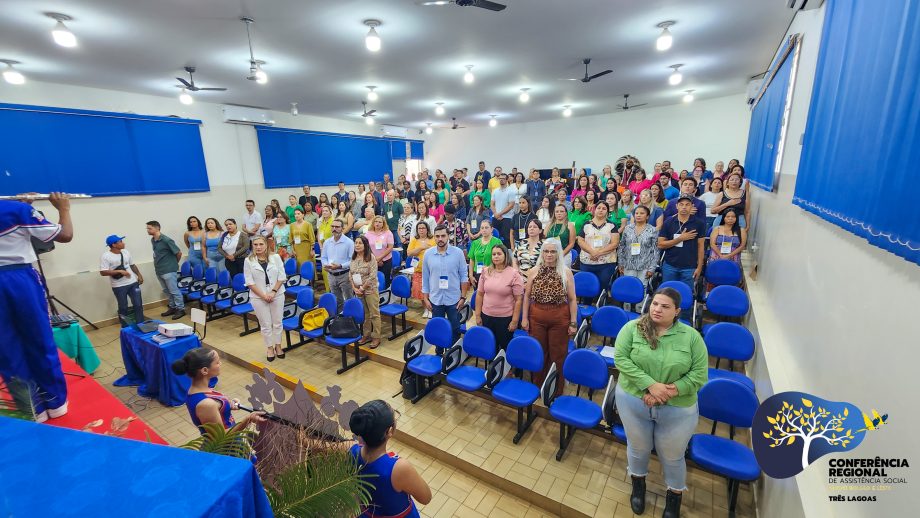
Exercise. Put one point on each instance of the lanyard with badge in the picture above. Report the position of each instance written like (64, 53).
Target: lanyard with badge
(680, 231)
(726, 247)
(522, 228)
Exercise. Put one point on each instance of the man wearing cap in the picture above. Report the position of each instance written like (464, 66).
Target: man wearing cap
(116, 264)
(681, 237)
(698, 206)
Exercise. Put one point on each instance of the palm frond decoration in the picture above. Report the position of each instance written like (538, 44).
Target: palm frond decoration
(232, 442)
(16, 400)
(326, 485)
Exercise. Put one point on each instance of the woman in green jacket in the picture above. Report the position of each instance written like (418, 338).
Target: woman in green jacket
(579, 214)
(480, 254)
(663, 363)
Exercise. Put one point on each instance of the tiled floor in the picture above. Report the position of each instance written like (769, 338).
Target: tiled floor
(467, 439)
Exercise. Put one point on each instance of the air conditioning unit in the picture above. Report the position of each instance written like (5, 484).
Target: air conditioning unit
(246, 115)
(753, 88)
(803, 5)
(394, 131)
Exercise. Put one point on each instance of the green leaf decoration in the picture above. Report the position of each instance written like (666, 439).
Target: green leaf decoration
(326, 485)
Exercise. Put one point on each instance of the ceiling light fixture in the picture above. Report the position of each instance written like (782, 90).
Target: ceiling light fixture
(665, 40)
(11, 75)
(61, 34)
(688, 97)
(294, 110)
(429, 130)
(676, 77)
(371, 94)
(567, 110)
(372, 40)
(439, 109)
(369, 120)
(468, 77)
(524, 97)
(255, 65)
(185, 97)
(493, 121)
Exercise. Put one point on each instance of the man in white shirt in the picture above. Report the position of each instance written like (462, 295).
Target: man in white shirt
(117, 265)
(503, 208)
(336, 259)
(252, 220)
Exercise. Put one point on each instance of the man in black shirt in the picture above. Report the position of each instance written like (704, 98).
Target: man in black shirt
(308, 198)
(682, 237)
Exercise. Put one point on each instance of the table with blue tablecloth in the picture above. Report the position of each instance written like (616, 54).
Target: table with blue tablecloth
(52, 471)
(148, 366)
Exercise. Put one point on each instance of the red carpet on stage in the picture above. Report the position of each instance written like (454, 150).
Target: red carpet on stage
(88, 401)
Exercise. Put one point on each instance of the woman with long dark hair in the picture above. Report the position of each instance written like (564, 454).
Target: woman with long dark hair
(194, 241)
(727, 241)
(211, 253)
(363, 276)
(234, 245)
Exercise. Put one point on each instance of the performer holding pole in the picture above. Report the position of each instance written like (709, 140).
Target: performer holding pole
(29, 353)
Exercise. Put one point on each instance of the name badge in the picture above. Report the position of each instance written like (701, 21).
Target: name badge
(378, 245)
(196, 246)
(389, 214)
(635, 248)
(442, 282)
(478, 268)
(297, 240)
(680, 244)
(356, 278)
(725, 248)
(522, 233)
(474, 224)
(597, 242)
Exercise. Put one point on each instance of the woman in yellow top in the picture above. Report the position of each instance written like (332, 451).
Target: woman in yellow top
(324, 225)
(302, 238)
(420, 242)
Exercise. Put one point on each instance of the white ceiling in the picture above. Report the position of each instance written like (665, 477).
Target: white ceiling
(316, 56)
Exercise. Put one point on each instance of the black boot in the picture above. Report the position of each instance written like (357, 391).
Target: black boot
(672, 505)
(637, 499)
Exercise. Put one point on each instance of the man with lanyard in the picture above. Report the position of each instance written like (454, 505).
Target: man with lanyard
(503, 208)
(681, 237)
(340, 195)
(482, 174)
(28, 354)
(336, 259)
(445, 280)
(117, 264)
(392, 210)
(536, 189)
(252, 220)
(307, 198)
(688, 189)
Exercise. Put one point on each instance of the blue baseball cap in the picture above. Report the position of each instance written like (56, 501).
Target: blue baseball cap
(114, 238)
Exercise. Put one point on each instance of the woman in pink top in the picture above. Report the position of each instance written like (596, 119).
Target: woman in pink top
(435, 209)
(581, 187)
(641, 182)
(499, 296)
(380, 240)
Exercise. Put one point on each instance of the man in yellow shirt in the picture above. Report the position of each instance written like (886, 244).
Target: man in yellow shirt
(494, 182)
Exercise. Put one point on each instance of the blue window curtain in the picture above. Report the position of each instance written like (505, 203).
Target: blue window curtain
(767, 120)
(417, 150)
(398, 149)
(99, 153)
(859, 154)
(292, 158)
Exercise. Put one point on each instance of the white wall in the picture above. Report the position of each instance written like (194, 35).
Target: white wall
(234, 172)
(834, 317)
(715, 129)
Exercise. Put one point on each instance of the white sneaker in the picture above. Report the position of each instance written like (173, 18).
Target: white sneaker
(57, 412)
(42, 417)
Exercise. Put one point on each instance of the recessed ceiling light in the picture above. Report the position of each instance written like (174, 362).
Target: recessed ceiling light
(439, 109)
(372, 40)
(371, 94)
(493, 121)
(524, 97)
(429, 130)
(468, 77)
(665, 40)
(185, 97)
(61, 34)
(688, 97)
(294, 110)
(676, 77)
(11, 75)
(567, 110)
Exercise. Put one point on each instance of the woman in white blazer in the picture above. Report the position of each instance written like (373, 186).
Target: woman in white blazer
(264, 273)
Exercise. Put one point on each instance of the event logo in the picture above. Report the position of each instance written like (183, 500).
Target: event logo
(793, 429)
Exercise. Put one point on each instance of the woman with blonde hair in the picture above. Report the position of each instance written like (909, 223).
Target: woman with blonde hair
(264, 274)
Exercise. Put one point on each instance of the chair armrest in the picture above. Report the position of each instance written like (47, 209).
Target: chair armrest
(293, 280)
(452, 358)
(465, 313)
(548, 390)
(240, 298)
(197, 285)
(184, 281)
(581, 336)
(326, 324)
(413, 347)
(224, 293)
(609, 403)
(209, 289)
(496, 369)
(602, 299)
(289, 310)
(386, 297)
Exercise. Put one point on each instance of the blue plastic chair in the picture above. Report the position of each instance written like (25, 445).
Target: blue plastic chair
(402, 290)
(723, 272)
(326, 301)
(290, 267)
(427, 367)
(732, 342)
(686, 299)
(298, 282)
(199, 279)
(583, 367)
(479, 343)
(628, 290)
(523, 353)
(726, 401)
(396, 260)
(381, 282)
(727, 302)
(587, 289)
(355, 309)
(305, 302)
(239, 303)
(210, 292)
(607, 322)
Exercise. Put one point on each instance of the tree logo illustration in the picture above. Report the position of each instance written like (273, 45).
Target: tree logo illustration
(793, 429)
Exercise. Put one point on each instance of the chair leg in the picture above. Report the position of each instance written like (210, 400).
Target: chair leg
(246, 330)
(566, 433)
(714, 425)
(405, 327)
(523, 425)
(358, 358)
(423, 388)
(732, 496)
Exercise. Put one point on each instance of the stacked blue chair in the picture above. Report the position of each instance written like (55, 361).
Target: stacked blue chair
(326, 301)
(305, 302)
(479, 343)
(525, 354)
(732, 342)
(582, 367)
(628, 290)
(427, 367)
(239, 303)
(192, 283)
(210, 293)
(730, 402)
(587, 290)
(607, 322)
(197, 289)
(727, 302)
(355, 309)
(402, 290)
(299, 282)
(686, 299)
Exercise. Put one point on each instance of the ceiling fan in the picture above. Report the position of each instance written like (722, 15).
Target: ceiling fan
(485, 4)
(366, 113)
(587, 78)
(626, 106)
(455, 124)
(190, 84)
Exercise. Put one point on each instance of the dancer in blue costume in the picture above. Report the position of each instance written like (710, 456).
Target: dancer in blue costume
(206, 405)
(28, 352)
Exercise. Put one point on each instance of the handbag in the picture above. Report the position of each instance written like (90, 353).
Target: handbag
(314, 319)
(343, 327)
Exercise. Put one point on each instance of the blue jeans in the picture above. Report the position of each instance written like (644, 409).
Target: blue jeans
(397, 242)
(215, 260)
(170, 283)
(604, 272)
(684, 275)
(121, 296)
(450, 311)
(665, 428)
